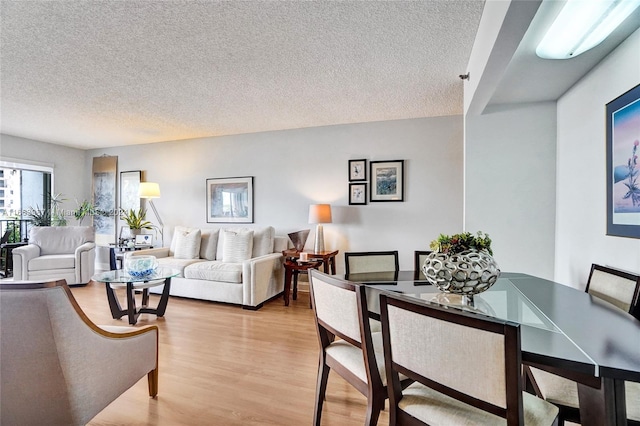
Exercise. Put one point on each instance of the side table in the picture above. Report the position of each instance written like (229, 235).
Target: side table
(327, 257)
(292, 268)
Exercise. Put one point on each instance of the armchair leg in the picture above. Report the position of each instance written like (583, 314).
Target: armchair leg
(152, 378)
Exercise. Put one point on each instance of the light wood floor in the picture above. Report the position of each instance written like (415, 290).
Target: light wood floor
(222, 365)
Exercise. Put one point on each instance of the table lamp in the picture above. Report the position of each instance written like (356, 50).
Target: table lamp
(149, 191)
(319, 213)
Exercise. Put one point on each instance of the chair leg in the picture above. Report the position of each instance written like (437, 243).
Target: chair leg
(321, 389)
(152, 378)
(374, 406)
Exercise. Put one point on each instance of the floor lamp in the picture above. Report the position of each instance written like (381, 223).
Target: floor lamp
(149, 191)
(319, 213)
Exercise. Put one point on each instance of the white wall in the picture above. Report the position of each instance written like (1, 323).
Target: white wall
(581, 187)
(510, 160)
(68, 166)
(295, 168)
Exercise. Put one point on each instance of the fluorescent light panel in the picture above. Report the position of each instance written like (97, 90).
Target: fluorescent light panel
(582, 25)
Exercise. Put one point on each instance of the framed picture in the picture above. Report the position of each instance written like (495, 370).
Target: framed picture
(357, 193)
(144, 239)
(129, 185)
(623, 167)
(104, 198)
(230, 200)
(387, 180)
(357, 170)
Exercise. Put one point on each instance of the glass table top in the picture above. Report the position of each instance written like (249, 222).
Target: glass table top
(503, 300)
(121, 276)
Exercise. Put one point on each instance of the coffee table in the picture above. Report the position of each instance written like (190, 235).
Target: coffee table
(121, 279)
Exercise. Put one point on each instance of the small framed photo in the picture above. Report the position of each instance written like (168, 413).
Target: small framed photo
(230, 200)
(144, 240)
(357, 193)
(357, 170)
(387, 180)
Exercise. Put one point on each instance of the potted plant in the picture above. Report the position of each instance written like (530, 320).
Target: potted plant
(136, 220)
(85, 208)
(461, 263)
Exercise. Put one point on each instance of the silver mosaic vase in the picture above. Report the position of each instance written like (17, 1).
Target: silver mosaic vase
(469, 272)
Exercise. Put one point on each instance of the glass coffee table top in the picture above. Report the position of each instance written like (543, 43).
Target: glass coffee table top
(121, 276)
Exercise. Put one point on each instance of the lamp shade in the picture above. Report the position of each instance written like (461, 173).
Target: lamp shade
(149, 190)
(320, 213)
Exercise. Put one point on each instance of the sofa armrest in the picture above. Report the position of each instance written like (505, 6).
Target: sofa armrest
(21, 257)
(257, 274)
(157, 252)
(84, 247)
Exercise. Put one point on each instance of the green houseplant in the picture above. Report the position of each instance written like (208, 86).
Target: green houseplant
(458, 243)
(136, 220)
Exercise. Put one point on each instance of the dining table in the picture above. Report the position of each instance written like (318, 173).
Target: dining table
(563, 330)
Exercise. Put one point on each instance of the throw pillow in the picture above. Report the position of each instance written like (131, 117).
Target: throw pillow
(187, 243)
(263, 241)
(237, 246)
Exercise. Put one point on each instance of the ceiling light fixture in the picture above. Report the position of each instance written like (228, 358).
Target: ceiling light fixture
(582, 25)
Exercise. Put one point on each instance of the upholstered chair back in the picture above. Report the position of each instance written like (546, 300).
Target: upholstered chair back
(616, 287)
(468, 359)
(336, 307)
(49, 374)
(60, 239)
(363, 262)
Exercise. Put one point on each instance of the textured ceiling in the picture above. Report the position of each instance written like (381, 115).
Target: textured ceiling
(94, 74)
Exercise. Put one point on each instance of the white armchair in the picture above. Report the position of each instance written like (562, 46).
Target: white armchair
(56, 252)
(58, 367)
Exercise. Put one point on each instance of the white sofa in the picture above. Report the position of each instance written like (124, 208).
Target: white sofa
(56, 252)
(233, 265)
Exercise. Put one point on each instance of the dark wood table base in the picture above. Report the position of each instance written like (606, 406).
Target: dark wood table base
(132, 311)
(291, 270)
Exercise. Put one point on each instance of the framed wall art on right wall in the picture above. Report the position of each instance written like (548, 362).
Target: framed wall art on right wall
(623, 167)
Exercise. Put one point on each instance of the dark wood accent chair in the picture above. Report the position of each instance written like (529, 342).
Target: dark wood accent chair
(347, 344)
(467, 368)
(371, 261)
(621, 289)
(58, 367)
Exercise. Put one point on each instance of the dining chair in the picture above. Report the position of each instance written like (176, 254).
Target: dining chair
(58, 367)
(419, 256)
(466, 368)
(371, 261)
(4, 257)
(621, 289)
(617, 287)
(347, 344)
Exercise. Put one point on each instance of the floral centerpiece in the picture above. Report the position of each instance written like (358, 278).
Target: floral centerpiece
(461, 263)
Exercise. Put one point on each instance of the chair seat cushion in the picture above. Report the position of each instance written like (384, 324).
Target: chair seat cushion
(433, 407)
(52, 261)
(558, 390)
(215, 271)
(352, 359)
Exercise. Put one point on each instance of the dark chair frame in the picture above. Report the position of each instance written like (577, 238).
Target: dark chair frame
(513, 413)
(634, 309)
(347, 255)
(373, 389)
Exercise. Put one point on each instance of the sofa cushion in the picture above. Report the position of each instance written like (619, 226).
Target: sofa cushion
(60, 239)
(187, 243)
(52, 261)
(209, 244)
(215, 271)
(263, 240)
(180, 264)
(237, 245)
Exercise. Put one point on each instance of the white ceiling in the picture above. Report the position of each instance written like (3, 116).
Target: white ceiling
(93, 74)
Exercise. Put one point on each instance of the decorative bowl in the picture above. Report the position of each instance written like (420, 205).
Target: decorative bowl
(469, 272)
(140, 266)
